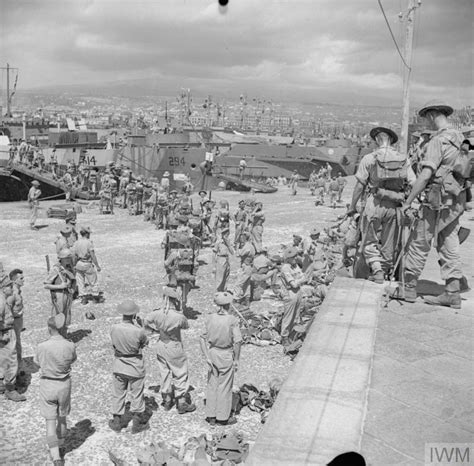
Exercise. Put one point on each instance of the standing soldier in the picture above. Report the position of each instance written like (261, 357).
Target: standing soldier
(386, 174)
(8, 356)
(292, 278)
(220, 344)
(124, 180)
(333, 192)
(342, 183)
(222, 250)
(246, 253)
(320, 189)
(67, 180)
(33, 199)
(128, 341)
(165, 181)
(71, 222)
(64, 240)
(55, 357)
(240, 218)
(172, 360)
(328, 170)
(294, 182)
(61, 283)
(443, 175)
(257, 219)
(87, 267)
(16, 276)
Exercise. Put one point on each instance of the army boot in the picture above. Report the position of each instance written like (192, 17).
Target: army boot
(12, 395)
(464, 285)
(377, 273)
(184, 404)
(139, 423)
(406, 293)
(117, 424)
(167, 401)
(451, 296)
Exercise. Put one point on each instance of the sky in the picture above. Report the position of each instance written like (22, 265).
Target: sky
(305, 50)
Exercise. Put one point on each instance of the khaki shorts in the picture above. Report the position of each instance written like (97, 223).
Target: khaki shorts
(55, 398)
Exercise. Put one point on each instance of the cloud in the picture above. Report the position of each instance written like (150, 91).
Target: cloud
(305, 48)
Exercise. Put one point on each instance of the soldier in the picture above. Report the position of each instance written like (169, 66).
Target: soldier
(33, 200)
(443, 175)
(128, 341)
(8, 354)
(68, 182)
(55, 357)
(342, 183)
(18, 280)
(64, 240)
(202, 199)
(87, 267)
(165, 181)
(240, 218)
(71, 222)
(294, 182)
(292, 278)
(222, 250)
(220, 344)
(246, 253)
(386, 174)
(172, 360)
(222, 218)
(206, 216)
(61, 283)
(150, 202)
(320, 185)
(131, 192)
(257, 219)
(333, 192)
(124, 180)
(139, 189)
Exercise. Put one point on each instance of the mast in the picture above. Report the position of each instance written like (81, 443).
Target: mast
(410, 23)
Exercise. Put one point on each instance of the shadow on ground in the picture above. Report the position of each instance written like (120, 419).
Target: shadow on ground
(29, 367)
(429, 288)
(78, 434)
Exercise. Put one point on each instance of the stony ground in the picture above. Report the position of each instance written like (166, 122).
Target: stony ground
(130, 254)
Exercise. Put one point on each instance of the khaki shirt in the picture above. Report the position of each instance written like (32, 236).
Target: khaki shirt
(222, 330)
(442, 149)
(83, 249)
(247, 253)
(290, 275)
(128, 340)
(55, 357)
(168, 322)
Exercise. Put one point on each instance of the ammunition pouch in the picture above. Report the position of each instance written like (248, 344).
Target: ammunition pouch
(184, 276)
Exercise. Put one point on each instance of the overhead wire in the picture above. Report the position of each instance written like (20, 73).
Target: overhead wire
(393, 37)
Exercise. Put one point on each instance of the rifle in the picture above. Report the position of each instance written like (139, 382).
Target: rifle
(240, 315)
(48, 265)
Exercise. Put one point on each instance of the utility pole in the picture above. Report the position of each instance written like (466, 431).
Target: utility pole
(409, 19)
(9, 96)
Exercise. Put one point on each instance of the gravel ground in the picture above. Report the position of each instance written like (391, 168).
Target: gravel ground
(129, 252)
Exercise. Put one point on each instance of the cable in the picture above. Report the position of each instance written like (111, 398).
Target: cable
(393, 37)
